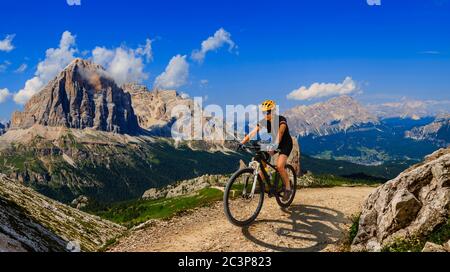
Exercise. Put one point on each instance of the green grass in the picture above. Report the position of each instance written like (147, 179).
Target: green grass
(135, 212)
(323, 181)
(415, 244)
(354, 227)
(345, 246)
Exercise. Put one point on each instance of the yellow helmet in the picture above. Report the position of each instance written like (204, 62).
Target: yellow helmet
(268, 105)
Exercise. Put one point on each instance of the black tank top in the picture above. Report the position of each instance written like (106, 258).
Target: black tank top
(286, 139)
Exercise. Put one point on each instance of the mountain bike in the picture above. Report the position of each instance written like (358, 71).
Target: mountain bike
(244, 193)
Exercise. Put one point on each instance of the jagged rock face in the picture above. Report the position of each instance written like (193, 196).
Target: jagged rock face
(438, 131)
(154, 108)
(411, 205)
(32, 222)
(333, 116)
(81, 96)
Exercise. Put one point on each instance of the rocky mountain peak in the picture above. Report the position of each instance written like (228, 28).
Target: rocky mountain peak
(154, 108)
(81, 96)
(437, 131)
(329, 117)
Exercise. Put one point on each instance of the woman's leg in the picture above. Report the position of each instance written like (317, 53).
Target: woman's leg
(281, 167)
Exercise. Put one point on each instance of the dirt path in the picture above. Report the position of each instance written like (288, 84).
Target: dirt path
(318, 220)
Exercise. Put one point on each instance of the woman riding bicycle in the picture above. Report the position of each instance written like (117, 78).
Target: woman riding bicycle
(283, 141)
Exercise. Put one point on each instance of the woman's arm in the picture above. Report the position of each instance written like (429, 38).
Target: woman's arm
(250, 135)
(281, 133)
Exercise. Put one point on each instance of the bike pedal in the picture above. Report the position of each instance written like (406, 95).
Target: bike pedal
(271, 193)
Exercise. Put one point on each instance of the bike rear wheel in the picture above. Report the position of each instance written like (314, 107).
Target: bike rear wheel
(293, 181)
(241, 207)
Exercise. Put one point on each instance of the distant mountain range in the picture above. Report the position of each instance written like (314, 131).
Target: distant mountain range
(343, 129)
(438, 131)
(336, 115)
(83, 135)
(412, 109)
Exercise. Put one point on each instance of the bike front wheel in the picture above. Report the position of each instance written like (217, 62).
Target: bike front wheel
(242, 204)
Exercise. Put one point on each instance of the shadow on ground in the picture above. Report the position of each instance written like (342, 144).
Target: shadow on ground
(308, 228)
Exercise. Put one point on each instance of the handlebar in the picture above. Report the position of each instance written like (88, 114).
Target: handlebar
(254, 147)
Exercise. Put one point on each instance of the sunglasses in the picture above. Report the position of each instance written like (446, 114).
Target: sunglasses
(267, 112)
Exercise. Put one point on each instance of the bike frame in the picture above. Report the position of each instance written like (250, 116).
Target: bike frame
(257, 169)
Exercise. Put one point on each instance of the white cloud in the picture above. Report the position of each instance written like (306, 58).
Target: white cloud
(4, 94)
(56, 59)
(6, 44)
(74, 2)
(175, 75)
(318, 90)
(220, 38)
(146, 50)
(124, 64)
(4, 66)
(21, 68)
(430, 52)
(374, 2)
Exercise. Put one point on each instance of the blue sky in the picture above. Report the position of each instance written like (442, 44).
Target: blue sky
(401, 48)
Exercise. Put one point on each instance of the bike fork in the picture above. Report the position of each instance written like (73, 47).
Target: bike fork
(255, 180)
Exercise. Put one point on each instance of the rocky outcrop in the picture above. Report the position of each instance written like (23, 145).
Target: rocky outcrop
(32, 222)
(336, 115)
(432, 247)
(186, 187)
(438, 131)
(80, 202)
(154, 108)
(411, 205)
(81, 96)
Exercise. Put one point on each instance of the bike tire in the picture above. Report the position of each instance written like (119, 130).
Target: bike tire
(278, 197)
(228, 195)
